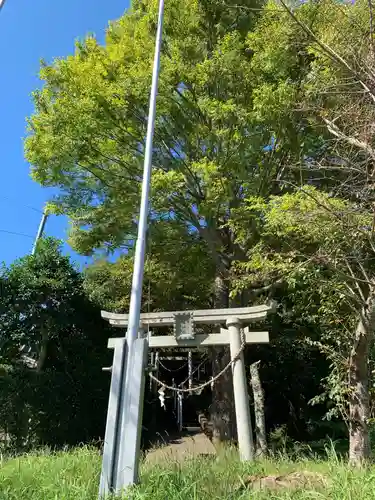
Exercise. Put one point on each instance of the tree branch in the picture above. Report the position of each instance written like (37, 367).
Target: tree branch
(334, 130)
(328, 50)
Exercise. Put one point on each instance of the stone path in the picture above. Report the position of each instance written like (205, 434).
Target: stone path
(179, 449)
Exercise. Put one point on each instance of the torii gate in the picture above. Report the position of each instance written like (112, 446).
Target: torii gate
(123, 428)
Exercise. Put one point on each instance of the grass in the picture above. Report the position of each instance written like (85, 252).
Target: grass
(51, 476)
(75, 475)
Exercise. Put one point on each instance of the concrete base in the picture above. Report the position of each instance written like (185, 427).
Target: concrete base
(123, 430)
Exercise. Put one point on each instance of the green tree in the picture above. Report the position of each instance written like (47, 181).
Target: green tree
(87, 135)
(178, 273)
(314, 248)
(53, 348)
(335, 98)
(233, 123)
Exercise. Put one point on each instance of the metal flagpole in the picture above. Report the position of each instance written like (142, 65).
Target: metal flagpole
(136, 291)
(126, 417)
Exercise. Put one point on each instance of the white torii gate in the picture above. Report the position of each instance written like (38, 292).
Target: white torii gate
(122, 436)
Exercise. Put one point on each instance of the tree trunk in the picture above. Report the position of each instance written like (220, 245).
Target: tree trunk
(260, 421)
(222, 412)
(359, 400)
(43, 350)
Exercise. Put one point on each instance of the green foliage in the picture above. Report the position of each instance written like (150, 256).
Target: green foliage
(47, 318)
(297, 233)
(87, 134)
(249, 100)
(302, 249)
(313, 60)
(46, 476)
(39, 290)
(178, 273)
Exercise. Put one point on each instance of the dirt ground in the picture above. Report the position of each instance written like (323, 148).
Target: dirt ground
(190, 445)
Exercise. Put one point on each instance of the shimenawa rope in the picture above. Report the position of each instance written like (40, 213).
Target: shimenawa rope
(208, 382)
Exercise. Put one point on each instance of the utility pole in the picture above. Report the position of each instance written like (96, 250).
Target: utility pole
(39, 234)
(40, 229)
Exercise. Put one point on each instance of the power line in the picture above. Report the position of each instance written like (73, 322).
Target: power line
(16, 233)
(21, 204)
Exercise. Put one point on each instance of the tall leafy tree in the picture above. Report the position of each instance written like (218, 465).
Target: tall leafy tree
(53, 347)
(215, 141)
(237, 118)
(87, 134)
(335, 97)
(178, 273)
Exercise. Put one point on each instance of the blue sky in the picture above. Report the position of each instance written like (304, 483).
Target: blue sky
(31, 30)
